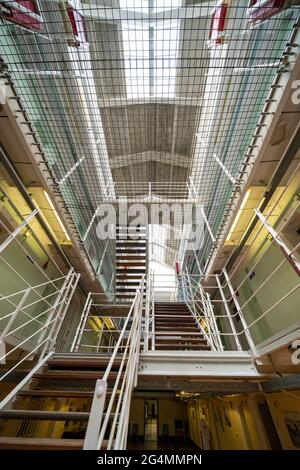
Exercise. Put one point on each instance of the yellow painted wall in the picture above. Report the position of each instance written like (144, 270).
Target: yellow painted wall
(284, 406)
(235, 422)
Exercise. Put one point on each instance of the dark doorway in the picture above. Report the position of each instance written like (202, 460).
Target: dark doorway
(269, 426)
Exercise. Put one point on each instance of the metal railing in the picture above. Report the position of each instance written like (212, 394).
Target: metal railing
(112, 423)
(31, 318)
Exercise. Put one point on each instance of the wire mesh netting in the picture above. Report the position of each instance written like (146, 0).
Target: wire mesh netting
(129, 92)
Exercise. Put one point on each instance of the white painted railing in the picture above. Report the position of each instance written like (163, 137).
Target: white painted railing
(126, 352)
(32, 319)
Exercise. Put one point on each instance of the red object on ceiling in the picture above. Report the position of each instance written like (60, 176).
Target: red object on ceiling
(23, 19)
(177, 267)
(78, 24)
(218, 23)
(265, 10)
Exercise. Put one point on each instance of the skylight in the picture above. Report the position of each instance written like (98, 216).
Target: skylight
(150, 52)
(144, 5)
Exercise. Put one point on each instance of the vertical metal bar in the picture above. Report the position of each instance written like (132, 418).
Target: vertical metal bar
(81, 324)
(228, 313)
(102, 258)
(60, 303)
(61, 316)
(194, 313)
(241, 315)
(100, 337)
(210, 328)
(207, 314)
(53, 309)
(96, 413)
(215, 326)
(208, 226)
(153, 315)
(14, 315)
(147, 311)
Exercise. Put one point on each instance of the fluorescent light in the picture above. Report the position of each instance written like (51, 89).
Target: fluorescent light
(239, 214)
(56, 215)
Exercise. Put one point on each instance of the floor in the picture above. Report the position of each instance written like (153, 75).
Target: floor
(154, 445)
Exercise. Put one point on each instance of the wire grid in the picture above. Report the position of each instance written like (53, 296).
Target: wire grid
(138, 96)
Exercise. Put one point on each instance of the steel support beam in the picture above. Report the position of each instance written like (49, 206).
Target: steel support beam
(229, 364)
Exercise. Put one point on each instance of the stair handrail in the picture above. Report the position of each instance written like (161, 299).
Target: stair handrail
(189, 298)
(98, 420)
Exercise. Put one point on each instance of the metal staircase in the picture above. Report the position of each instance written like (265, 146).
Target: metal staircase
(49, 405)
(131, 261)
(176, 329)
(75, 400)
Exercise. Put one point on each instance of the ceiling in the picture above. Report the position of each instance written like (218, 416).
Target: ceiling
(140, 96)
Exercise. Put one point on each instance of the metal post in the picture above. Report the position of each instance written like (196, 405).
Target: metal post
(208, 226)
(147, 318)
(207, 313)
(14, 315)
(153, 315)
(210, 325)
(215, 326)
(102, 258)
(228, 313)
(61, 316)
(81, 324)
(60, 301)
(194, 314)
(239, 311)
(56, 303)
(96, 413)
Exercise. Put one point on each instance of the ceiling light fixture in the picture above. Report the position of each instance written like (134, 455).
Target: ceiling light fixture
(239, 214)
(56, 215)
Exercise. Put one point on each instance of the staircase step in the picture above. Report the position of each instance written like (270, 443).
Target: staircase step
(45, 415)
(70, 374)
(92, 363)
(133, 249)
(171, 305)
(32, 443)
(179, 340)
(178, 327)
(167, 347)
(129, 277)
(132, 271)
(123, 255)
(130, 264)
(170, 310)
(175, 322)
(56, 393)
(127, 289)
(185, 334)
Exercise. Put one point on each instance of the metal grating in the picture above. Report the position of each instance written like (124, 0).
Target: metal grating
(124, 93)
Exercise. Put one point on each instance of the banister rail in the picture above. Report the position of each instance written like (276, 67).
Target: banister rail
(126, 349)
